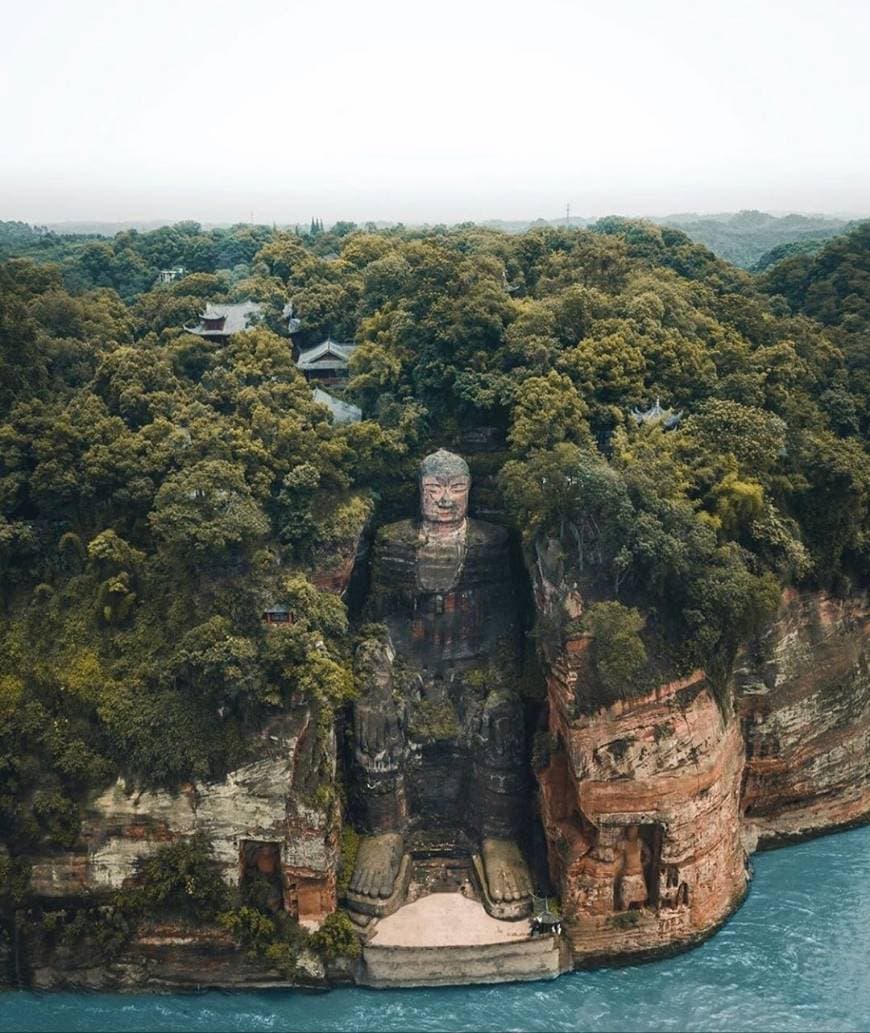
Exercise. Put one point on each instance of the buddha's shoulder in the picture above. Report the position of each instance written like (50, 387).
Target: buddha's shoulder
(484, 534)
(405, 534)
(401, 533)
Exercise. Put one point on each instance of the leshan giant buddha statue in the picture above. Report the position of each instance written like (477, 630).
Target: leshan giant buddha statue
(438, 725)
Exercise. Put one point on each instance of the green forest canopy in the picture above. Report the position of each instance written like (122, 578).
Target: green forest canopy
(157, 491)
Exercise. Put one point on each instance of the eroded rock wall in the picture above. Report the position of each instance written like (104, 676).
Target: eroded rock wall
(269, 802)
(640, 807)
(803, 696)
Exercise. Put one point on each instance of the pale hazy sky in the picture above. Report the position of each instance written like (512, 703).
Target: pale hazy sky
(423, 110)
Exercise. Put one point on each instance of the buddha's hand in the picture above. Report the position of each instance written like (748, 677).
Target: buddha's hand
(498, 728)
(379, 737)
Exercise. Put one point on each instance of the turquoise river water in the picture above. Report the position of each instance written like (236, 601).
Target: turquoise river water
(795, 957)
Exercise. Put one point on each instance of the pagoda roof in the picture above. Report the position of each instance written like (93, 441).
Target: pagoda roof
(656, 414)
(328, 354)
(236, 317)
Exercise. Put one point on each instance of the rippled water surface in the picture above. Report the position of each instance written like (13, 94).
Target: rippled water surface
(795, 957)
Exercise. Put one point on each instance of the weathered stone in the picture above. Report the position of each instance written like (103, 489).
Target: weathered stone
(803, 696)
(262, 802)
(640, 804)
(164, 956)
(442, 748)
(639, 799)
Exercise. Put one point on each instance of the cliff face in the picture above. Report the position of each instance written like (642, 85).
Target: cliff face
(264, 819)
(648, 804)
(260, 819)
(803, 696)
(256, 807)
(692, 782)
(640, 806)
(640, 800)
(167, 956)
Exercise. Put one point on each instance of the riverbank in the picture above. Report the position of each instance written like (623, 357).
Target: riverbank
(794, 957)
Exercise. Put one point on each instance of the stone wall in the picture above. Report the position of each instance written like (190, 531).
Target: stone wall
(803, 696)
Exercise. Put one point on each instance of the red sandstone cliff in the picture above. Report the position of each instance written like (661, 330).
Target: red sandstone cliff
(683, 777)
(640, 806)
(803, 696)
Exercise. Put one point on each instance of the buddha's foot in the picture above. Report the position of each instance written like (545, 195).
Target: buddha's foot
(507, 874)
(377, 864)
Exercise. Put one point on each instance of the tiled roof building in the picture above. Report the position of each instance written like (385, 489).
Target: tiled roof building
(342, 412)
(326, 362)
(656, 414)
(221, 320)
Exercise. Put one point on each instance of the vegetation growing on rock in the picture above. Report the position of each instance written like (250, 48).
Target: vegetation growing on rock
(158, 492)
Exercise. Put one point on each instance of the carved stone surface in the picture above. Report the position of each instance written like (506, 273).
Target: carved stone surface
(439, 741)
(640, 806)
(640, 801)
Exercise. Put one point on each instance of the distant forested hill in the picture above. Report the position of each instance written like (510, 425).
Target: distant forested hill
(832, 285)
(746, 237)
(21, 240)
(751, 239)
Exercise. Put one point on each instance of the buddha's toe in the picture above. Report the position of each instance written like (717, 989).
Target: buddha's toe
(385, 882)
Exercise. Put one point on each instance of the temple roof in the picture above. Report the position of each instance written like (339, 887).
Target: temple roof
(342, 412)
(328, 354)
(656, 414)
(236, 317)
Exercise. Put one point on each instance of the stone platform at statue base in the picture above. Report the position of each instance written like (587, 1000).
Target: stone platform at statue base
(448, 939)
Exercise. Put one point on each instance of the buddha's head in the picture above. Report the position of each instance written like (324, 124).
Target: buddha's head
(444, 484)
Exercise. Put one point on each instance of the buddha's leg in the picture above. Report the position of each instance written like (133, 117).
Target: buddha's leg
(502, 797)
(379, 750)
(380, 853)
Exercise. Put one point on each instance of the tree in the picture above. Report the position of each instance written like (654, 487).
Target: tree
(207, 511)
(546, 411)
(618, 652)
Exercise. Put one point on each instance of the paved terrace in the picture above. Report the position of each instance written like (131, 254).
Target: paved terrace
(445, 920)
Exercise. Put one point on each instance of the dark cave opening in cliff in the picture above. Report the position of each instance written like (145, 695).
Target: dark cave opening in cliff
(260, 882)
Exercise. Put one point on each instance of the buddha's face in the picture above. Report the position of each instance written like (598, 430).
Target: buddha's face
(444, 499)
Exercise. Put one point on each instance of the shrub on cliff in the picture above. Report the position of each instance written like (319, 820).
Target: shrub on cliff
(337, 937)
(618, 652)
(179, 879)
